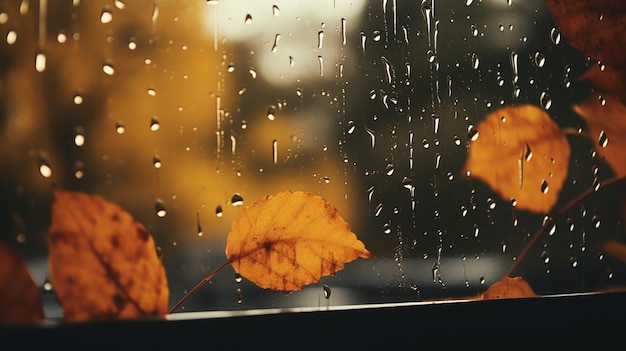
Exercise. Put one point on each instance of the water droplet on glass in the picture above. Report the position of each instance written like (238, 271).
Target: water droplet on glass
(468, 2)
(351, 127)
(602, 139)
(555, 35)
(387, 228)
(40, 62)
(154, 124)
(236, 200)
(155, 12)
(79, 137)
(11, 37)
(252, 72)
(219, 211)
(159, 208)
(389, 169)
(326, 290)
(151, 92)
(248, 20)
(108, 69)
(482, 280)
(596, 221)
(106, 16)
(275, 10)
(376, 35)
(156, 161)
(320, 39)
(544, 186)
(78, 99)
(475, 61)
(545, 100)
(472, 133)
(275, 45)
(198, 226)
(78, 170)
(239, 296)
(119, 127)
(549, 226)
(378, 210)
(540, 60)
(47, 284)
(271, 110)
(474, 30)
(430, 56)
(44, 166)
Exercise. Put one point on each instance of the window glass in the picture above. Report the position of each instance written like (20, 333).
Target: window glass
(451, 136)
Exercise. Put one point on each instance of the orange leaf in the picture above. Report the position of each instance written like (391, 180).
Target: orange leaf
(521, 154)
(289, 240)
(103, 264)
(595, 27)
(20, 302)
(508, 288)
(607, 127)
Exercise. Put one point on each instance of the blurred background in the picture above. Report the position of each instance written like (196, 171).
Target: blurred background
(186, 106)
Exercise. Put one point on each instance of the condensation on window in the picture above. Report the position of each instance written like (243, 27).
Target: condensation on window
(185, 112)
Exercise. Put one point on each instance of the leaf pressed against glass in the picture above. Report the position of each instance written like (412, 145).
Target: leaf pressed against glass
(508, 288)
(20, 302)
(521, 154)
(289, 240)
(103, 264)
(606, 120)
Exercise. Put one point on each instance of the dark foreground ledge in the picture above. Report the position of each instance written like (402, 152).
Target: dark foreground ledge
(586, 321)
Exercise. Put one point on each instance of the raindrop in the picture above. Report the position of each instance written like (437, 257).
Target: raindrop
(555, 35)
(159, 208)
(79, 137)
(387, 228)
(474, 30)
(528, 154)
(378, 210)
(40, 62)
(198, 226)
(343, 32)
(236, 200)
(472, 133)
(106, 16)
(463, 211)
(248, 20)
(544, 186)
(320, 39)
(252, 72)
(430, 56)
(219, 212)
(407, 183)
(321, 62)
(44, 166)
(596, 221)
(363, 40)
(540, 60)
(514, 58)
(351, 127)
(475, 61)
(275, 45)
(119, 127)
(156, 161)
(326, 290)
(47, 284)
(119, 4)
(78, 170)
(376, 35)
(271, 110)
(151, 92)
(275, 151)
(154, 124)
(491, 203)
(275, 10)
(108, 69)
(78, 99)
(425, 143)
(11, 37)
(389, 169)
(238, 278)
(239, 296)
(549, 226)
(155, 12)
(482, 280)
(545, 100)
(602, 139)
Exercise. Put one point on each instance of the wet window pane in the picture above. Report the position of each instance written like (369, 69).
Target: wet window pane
(462, 141)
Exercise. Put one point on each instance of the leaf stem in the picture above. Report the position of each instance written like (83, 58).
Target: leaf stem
(199, 285)
(565, 209)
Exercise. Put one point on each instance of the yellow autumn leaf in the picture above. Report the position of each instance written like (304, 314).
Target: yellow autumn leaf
(521, 154)
(289, 240)
(20, 302)
(103, 264)
(606, 119)
(508, 288)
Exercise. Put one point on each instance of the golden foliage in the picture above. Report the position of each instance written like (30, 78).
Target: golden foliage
(20, 302)
(606, 120)
(289, 240)
(521, 154)
(508, 288)
(594, 27)
(103, 264)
